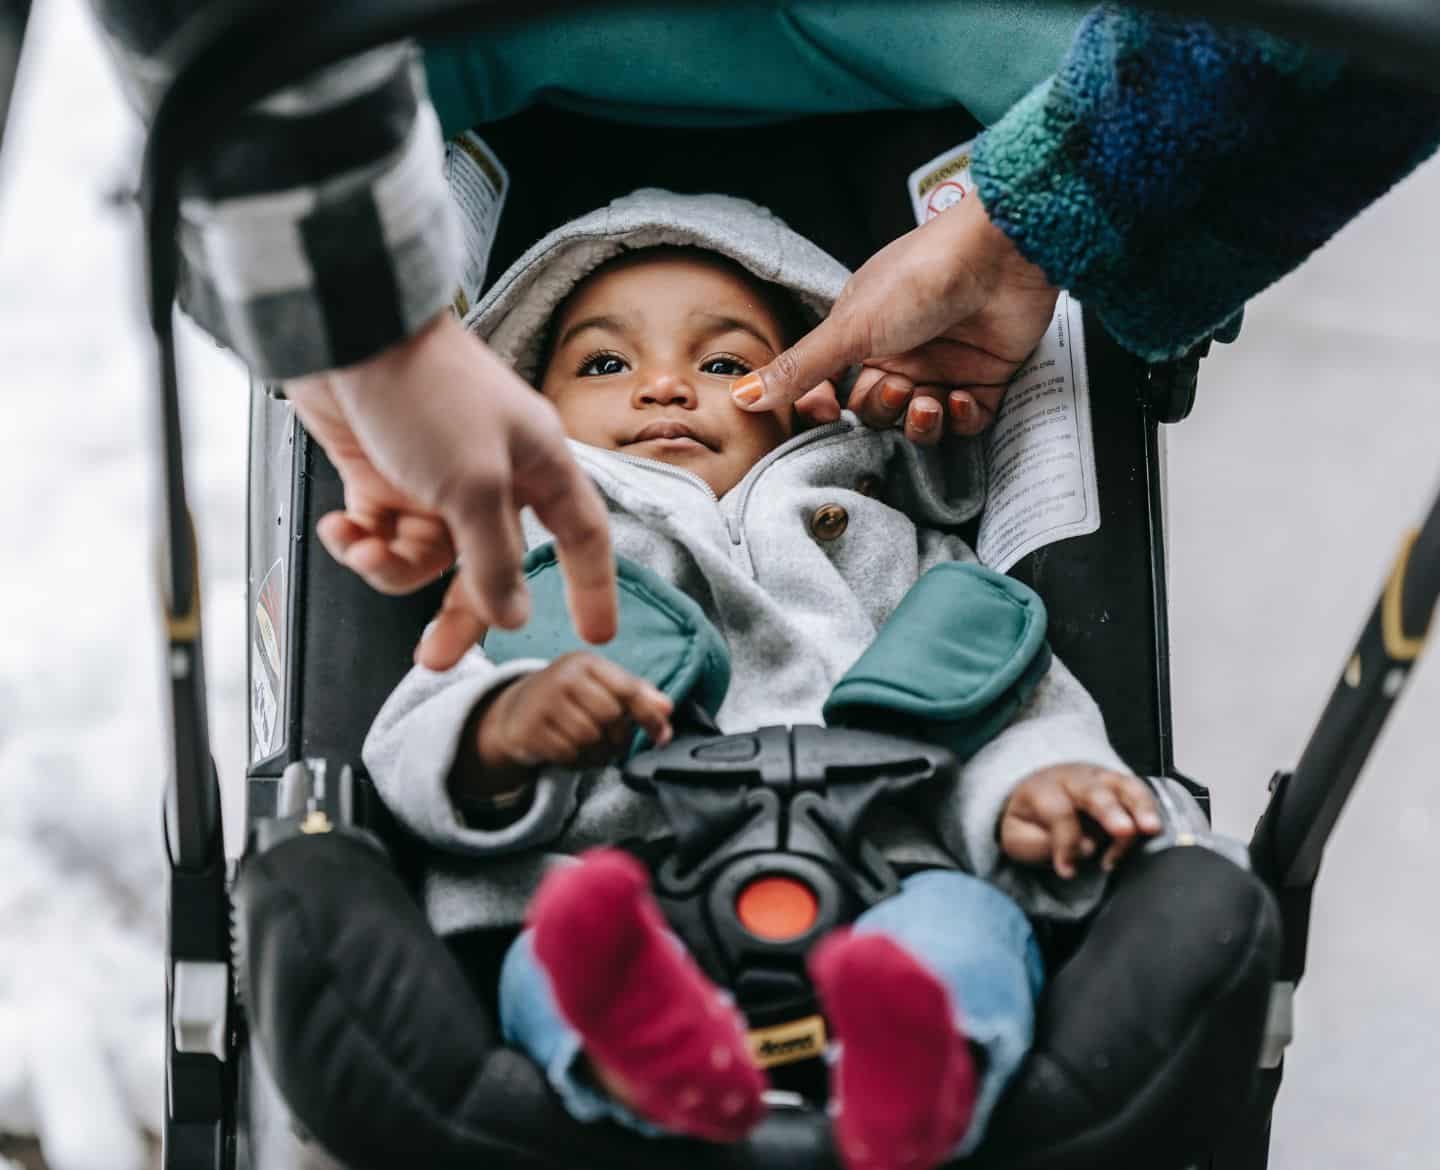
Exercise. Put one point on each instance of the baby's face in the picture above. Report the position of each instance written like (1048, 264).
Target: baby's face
(645, 354)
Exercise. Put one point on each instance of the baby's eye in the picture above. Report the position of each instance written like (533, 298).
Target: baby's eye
(724, 367)
(601, 365)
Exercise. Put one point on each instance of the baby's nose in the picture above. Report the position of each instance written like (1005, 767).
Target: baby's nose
(668, 387)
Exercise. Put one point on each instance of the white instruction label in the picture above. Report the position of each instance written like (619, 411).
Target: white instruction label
(1040, 453)
(478, 184)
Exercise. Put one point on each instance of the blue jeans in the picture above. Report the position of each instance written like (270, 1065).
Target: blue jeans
(973, 937)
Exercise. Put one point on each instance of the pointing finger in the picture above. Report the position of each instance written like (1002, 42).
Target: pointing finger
(823, 353)
(566, 502)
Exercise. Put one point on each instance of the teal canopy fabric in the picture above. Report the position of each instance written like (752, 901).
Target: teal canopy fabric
(750, 62)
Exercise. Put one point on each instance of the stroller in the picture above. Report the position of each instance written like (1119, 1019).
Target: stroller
(314, 1014)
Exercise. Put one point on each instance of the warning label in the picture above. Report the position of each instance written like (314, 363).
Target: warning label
(478, 184)
(1040, 452)
(941, 183)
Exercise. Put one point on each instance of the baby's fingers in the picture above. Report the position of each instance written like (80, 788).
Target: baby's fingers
(1135, 794)
(1124, 807)
(1024, 840)
(1104, 806)
(608, 714)
(643, 702)
(651, 710)
(1051, 808)
(1067, 842)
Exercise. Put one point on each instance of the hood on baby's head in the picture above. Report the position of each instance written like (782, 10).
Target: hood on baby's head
(514, 315)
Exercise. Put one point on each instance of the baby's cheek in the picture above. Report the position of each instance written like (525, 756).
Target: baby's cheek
(587, 421)
(767, 431)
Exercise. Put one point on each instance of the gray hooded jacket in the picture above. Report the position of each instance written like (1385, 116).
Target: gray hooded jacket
(796, 605)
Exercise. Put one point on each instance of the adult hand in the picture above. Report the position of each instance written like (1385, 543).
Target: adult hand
(440, 445)
(940, 320)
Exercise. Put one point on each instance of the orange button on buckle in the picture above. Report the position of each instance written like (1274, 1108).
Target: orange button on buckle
(777, 908)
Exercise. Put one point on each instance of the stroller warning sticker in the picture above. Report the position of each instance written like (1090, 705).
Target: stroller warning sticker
(478, 184)
(941, 183)
(1040, 454)
(267, 664)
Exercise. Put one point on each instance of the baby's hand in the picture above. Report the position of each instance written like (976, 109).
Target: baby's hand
(579, 710)
(1041, 821)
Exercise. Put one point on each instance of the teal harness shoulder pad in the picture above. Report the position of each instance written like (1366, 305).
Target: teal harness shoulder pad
(664, 637)
(960, 654)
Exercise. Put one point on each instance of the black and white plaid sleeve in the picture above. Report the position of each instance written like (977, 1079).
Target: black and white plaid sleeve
(319, 230)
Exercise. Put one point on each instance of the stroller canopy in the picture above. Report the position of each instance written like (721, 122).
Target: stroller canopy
(708, 65)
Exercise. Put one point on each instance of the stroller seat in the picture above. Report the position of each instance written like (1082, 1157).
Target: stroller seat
(360, 1042)
(365, 1030)
(1147, 1037)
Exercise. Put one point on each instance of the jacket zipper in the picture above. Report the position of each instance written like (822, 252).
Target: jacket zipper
(733, 522)
(667, 469)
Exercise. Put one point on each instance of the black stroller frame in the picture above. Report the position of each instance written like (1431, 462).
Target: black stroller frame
(308, 798)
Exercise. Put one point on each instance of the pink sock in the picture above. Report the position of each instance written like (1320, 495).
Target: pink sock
(645, 1012)
(903, 1089)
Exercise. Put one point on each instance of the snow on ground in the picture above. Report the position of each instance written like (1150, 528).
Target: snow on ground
(1316, 440)
(81, 753)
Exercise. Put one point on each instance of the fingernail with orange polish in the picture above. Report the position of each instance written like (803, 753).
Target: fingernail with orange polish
(892, 397)
(747, 390)
(925, 414)
(961, 407)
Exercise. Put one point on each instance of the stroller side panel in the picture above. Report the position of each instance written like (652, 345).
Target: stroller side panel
(1106, 591)
(274, 552)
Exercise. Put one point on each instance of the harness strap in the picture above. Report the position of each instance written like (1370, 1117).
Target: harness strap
(960, 654)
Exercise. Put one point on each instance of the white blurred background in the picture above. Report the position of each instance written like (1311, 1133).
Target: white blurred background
(1315, 443)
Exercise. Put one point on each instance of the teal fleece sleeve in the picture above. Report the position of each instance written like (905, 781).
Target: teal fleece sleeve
(1171, 170)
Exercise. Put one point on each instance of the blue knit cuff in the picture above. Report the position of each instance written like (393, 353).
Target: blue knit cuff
(1171, 170)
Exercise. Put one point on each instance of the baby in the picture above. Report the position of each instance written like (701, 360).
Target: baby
(635, 322)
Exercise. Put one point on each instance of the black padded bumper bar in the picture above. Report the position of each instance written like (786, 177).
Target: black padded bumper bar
(1146, 1045)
